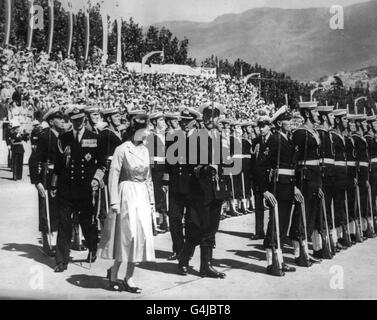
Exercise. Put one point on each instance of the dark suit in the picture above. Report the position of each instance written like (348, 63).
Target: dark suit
(75, 168)
(351, 176)
(41, 165)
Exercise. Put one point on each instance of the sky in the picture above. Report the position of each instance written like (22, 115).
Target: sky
(146, 12)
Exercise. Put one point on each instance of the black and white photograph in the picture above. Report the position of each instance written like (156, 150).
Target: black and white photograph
(190, 151)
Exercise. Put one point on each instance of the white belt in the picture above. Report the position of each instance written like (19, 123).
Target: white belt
(374, 160)
(340, 163)
(286, 172)
(159, 159)
(242, 156)
(328, 161)
(351, 163)
(51, 166)
(363, 164)
(110, 158)
(309, 163)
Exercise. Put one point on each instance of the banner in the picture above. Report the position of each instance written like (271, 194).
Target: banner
(35, 21)
(70, 29)
(30, 25)
(171, 69)
(8, 19)
(119, 42)
(87, 32)
(104, 37)
(50, 25)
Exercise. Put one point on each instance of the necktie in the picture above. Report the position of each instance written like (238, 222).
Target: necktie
(77, 138)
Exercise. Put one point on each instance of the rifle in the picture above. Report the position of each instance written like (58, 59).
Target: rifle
(359, 227)
(243, 190)
(277, 265)
(370, 207)
(347, 216)
(326, 247)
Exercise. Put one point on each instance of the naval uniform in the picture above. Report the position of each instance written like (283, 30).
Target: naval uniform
(179, 176)
(41, 169)
(77, 162)
(156, 148)
(351, 176)
(17, 153)
(278, 158)
(341, 180)
(327, 163)
(308, 175)
(109, 140)
(362, 157)
(372, 151)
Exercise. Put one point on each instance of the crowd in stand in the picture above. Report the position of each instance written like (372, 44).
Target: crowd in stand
(32, 84)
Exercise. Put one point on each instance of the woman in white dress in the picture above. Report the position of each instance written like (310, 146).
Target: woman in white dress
(128, 236)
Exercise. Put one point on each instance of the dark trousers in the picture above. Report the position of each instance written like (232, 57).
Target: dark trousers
(202, 222)
(284, 213)
(177, 204)
(10, 159)
(17, 165)
(373, 184)
(329, 192)
(259, 214)
(312, 206)
(89, 228)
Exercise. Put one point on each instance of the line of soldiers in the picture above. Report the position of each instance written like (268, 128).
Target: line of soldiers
(318, 182)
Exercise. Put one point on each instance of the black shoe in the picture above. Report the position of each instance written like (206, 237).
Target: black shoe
(303, 262)
(130, 289)
(257, 237)
(183, 270)
(353, 238)
(275, 272)
(340, 246)
(113, 285)
(317, 254)
(60, 267)
(80, 247)
(206, 269)
(286, 268)
(94, 258)
(345, 242)
(49, 252)
(173, 257)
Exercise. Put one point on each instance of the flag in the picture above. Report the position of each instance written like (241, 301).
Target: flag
(119, 42)
(35, 21)
(51, 25)
(70, 29)
(104, 37)
(87, 32)
(8, 20)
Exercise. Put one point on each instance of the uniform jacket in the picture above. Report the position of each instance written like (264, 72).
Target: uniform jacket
(179, 172)
(76, 165)
(44, 158)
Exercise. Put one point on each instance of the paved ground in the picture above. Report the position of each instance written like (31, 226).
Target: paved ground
(26, 273)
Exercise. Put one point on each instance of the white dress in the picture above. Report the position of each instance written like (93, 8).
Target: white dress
(128, 237)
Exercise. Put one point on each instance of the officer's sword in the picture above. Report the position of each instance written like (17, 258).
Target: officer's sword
(48, 220)
(231, 180)
(106, 200)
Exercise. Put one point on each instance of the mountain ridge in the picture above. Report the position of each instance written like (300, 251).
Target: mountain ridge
(298, 42)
